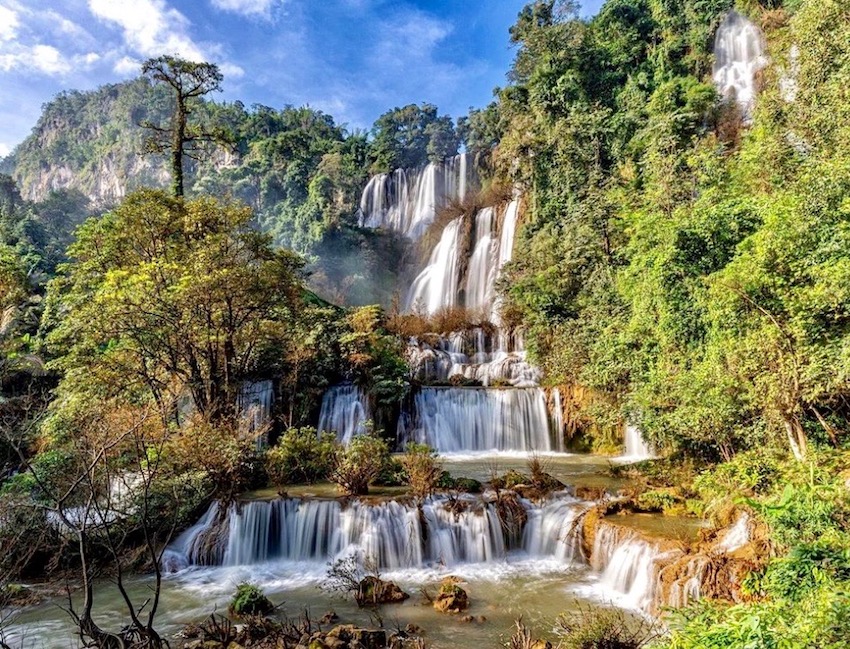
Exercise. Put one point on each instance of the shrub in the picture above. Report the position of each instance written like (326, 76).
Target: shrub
(301, 457)
(605, 629)
(422, 467)
(358, 464)
(250, 600)
(392, 474)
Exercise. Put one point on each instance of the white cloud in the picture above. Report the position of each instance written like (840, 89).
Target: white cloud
(231, 71)
(127, 65)
(151, 28)
(246, 7)
(9, 24)
(5, 149)
(42, 58)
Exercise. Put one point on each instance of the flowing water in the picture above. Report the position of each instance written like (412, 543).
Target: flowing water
(739, 55)
(536, 570)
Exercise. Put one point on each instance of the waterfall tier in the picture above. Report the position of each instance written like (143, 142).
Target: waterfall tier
(407, 200)
(739, 54)
(636, 447)
(255, 402)
(454, 420)
(465, 263)
(393, 534)
(474, 354)
(345, 411)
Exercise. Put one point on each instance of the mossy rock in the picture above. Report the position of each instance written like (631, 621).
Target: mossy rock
(250, 600)
(451, 598)
(373, 591)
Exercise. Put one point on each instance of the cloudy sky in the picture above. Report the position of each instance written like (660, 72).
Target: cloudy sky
(350, 58)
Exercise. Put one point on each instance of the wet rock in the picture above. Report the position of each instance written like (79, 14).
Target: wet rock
(542, 644)
(329, 618)
(467, 618)
(451, 598)
(373, 591)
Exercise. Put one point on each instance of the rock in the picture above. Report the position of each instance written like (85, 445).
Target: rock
(372, 591)
(542, 644)
(329, 618)
(451, 598)
(335, 643)
(481, 619)
(467, 618)
(371, 638)
(413, 629)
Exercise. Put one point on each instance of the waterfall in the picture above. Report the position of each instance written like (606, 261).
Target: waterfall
(626, 564)
(345, 411)
(407, 200)
(255, 402)
(636, 447)
(557, 414)
(463, 419)
(441, 531)
(554, 530)
(739, 54)
(482, 271)
(474, 354)
(436, 287)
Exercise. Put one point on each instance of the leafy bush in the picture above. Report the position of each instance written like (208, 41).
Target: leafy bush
(605, 629)
(423, 468)
(659, 500)
(301, 456)
(392, 474)
(806, 568)
(250, 600)
(358, 464)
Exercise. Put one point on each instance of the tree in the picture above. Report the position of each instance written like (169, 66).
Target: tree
(166, 297)
(189, 81)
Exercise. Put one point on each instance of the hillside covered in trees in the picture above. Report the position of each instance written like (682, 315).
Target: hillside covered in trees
(657, 253)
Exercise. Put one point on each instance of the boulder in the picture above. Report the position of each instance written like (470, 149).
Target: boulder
(373, 591)
(451, 598)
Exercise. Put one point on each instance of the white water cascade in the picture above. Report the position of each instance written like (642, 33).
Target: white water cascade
(407, 200)
(345, 411)
(636, 448)
(436, 287)
(393, 534)
(255, 402)
(626, 564)
(739, 54)
(453, 420)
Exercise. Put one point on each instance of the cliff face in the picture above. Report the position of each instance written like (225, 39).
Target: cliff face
(92, 142)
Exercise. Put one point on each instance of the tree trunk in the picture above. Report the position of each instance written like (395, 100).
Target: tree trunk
(796, 436)
(178, 139)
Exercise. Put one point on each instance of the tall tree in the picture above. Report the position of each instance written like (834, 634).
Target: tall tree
(166, 296)
(189, 80)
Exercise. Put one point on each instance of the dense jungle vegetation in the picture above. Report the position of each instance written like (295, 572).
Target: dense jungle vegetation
(681, 265)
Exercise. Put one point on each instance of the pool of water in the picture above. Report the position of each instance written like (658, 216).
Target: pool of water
(500, 591)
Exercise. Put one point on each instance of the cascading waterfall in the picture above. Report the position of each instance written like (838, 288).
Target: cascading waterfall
(345, 411)
(739, 54)
(394, 535)
(473, 354)
(255, 402)
(407, 200)
(481, 274)
(453, 420)
(436, 287)
(636, 447)
(626, 564)
(477, 418)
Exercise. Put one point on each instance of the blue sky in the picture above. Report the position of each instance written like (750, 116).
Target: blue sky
(351, 58)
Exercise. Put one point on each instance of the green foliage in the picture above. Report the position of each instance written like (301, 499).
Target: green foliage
(301, 456)
(250, 600)
(359, 464)
(410, 136)
(164, 291)
(375, 357)
(423, 469)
